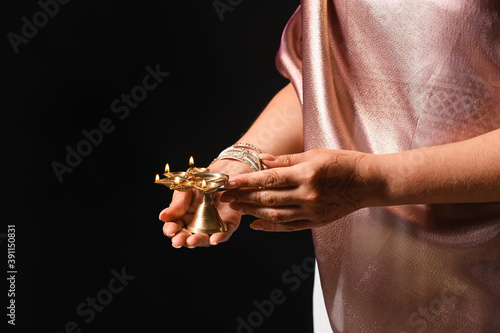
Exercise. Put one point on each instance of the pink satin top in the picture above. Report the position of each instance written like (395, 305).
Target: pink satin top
(388, 76)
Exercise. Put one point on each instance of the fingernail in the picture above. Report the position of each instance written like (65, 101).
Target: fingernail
(267, 157)
(231, 184)
(177, 247)
(214, 243)
(191, 247)
(170, 235)
(257, 226)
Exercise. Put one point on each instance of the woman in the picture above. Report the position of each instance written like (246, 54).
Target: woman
(387, 145)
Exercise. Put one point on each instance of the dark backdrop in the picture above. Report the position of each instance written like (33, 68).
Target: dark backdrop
(76, 233)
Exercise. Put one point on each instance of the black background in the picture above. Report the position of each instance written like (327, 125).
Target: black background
(70, 235)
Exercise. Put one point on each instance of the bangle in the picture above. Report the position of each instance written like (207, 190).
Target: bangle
(241, 150)
(251, 159)
(247, 145)
(239, 157)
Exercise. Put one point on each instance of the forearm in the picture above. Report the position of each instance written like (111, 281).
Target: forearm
(278, 129)
(462, 172)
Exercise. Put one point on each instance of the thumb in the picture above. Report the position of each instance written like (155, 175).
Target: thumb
(178, 207)
(281, 160)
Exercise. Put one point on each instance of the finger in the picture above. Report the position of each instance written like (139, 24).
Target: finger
(197, 240)
(221, 237)
(284, 196)
(180, 238)
(297, 225)
(200, 240)
(178, 207)
(230, 217)
(171, 228)
(279, 177)
(282, 160)
(273, 214)
(189, 240)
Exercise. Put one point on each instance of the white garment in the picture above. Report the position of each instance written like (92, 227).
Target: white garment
(320, 316)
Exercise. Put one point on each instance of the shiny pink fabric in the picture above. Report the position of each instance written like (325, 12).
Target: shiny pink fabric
(388, 76)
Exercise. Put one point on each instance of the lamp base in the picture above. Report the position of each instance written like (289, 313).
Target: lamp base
(206, 219)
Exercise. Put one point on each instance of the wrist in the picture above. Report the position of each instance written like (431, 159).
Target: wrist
(230, 167)
(376, 184)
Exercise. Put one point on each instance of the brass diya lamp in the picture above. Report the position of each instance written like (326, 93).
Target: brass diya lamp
(206, 219)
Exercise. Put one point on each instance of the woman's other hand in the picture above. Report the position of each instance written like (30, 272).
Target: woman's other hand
(306, 190)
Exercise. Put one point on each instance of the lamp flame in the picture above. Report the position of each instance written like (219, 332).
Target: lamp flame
(191, 161)
(177, 181)
(167, 168)
(157, 178)
(203, 183)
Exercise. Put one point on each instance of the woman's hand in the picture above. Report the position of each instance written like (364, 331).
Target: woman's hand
(305, 190)
(180, 212)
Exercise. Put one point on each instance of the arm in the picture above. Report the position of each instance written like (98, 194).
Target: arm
(319, 186)
(461, 172)
(278, 130)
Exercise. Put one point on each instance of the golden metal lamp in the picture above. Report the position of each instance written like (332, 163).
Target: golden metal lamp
(206, 219)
